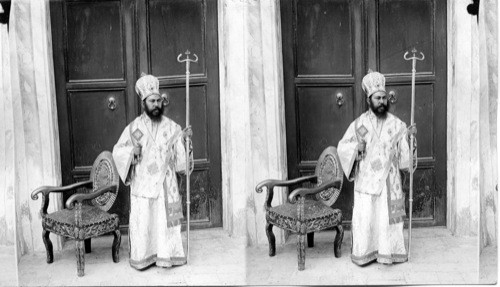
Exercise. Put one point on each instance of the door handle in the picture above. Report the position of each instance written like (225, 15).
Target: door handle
(340, 99)
(112, 103)
(392, 97)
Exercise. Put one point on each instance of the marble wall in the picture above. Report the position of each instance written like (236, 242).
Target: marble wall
(31, 123)
(252, 112)
(7, 213)
(472, 113)
(463, 120)
(488, 98)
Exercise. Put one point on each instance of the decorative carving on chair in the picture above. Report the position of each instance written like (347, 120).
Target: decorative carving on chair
(307, 216)
(284, 222)
(62, 229)
(86, 213)
(329, 169)
(104, 174)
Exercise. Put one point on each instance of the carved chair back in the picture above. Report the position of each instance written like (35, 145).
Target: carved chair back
(104, 173)
(328, 169)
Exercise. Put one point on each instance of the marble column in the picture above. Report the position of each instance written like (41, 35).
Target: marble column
(7, 213)
(463, 117)
(488, 98)
(32, 123)
(252, 112)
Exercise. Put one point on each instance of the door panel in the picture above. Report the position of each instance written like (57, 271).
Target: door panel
(403, 25)
(95, 41)
(328, 46)
(318, 111)
(323, 38)
(100, 50)
(424, 182)
(174, 27)
(89, 109)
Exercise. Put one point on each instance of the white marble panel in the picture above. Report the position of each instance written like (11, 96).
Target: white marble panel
(488, 101)
(252, 113)
(7, 164)
(463, 131)
(34, 118)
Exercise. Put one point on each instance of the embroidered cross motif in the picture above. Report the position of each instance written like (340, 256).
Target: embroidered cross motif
(376, 165)
(362, 131)
(152, 168)
(137, 134)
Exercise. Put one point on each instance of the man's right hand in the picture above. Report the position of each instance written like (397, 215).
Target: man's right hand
(361, 150)
(137, 150)
(137, 154)
(361, 146)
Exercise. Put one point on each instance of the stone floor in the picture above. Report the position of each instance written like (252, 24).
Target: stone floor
(8, 266)
(488, 265)
(217, 259)
(436, 258)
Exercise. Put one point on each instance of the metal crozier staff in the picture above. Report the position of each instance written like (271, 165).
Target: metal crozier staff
(188, 143)
(413, 158)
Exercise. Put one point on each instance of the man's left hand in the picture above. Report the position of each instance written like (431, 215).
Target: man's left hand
(187, 132)
(412, 130)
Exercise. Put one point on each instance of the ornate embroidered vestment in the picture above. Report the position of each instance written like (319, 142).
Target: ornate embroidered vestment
(377, 185)
(156, 209)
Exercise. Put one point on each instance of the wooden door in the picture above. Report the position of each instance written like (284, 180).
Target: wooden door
(93, 64)
(322, 58)
(396, 26)
(328, 46)
(167, 29)
(100, 49)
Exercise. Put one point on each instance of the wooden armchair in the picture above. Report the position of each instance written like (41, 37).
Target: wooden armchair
(86, 214)
(311, 214)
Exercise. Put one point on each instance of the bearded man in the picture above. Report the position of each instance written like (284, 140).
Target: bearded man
(148, 154)
(372, 152)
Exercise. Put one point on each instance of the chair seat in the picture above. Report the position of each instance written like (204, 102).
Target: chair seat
(95, 222)
(317, 216)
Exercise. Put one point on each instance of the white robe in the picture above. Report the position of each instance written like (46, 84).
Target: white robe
(155, 202)
(379, 210)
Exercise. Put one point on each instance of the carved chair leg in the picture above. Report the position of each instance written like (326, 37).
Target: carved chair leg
(337, 244)
(80, 257)
(48, 246)
(301, 250)
(116, 245)
(310, 239)
(271, 239)
(88, 245)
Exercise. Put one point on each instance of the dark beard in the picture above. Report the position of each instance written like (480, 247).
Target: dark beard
(381, 111)
(155, 113)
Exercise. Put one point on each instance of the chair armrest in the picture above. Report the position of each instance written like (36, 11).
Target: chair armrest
(48, 189)
(45, 190)
(80, 197)
(271, 183)
(305, 191)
